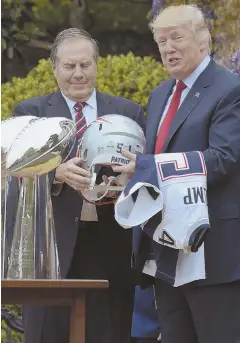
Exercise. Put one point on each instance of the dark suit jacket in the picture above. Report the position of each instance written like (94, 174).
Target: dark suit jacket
(210, 122)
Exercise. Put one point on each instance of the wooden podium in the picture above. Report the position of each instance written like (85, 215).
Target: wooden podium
(54, 292)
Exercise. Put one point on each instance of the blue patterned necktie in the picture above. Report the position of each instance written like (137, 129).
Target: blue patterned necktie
(80, 119)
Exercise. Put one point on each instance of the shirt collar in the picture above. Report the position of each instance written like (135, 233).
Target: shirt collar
(92, 101)
(190, 79)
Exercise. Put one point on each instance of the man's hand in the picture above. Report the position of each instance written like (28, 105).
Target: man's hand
(127, 168)
(72, 174)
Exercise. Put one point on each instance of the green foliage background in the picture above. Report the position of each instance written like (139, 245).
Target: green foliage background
(129, 76)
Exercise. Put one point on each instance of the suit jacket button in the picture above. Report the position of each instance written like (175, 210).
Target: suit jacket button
(76, 219)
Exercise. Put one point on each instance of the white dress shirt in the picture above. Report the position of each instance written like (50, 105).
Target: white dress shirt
(89, 110)
(189, 81)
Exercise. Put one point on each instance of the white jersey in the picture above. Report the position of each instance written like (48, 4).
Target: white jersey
(171, 206)
(167, 198)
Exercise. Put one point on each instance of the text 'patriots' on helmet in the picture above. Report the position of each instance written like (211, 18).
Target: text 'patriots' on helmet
(102, 143)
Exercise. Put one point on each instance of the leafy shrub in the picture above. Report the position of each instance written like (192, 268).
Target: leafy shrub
(128, 76)
(8, 335)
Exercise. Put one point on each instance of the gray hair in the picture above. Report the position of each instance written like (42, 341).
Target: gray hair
(70, 34)
(177, 14)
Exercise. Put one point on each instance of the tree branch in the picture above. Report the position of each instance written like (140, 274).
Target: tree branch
(79, 15)
(34, 43)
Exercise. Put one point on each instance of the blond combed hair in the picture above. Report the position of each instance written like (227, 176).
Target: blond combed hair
(183, 14)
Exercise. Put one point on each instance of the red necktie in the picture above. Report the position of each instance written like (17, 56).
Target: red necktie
(166, 124)
(80, 119)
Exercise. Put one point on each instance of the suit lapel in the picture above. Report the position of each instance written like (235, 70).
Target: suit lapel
(104, 104)
(155, 111)
(195, 95)
(58, 106)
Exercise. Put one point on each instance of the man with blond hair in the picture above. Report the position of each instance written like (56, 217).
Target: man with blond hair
(197, 109)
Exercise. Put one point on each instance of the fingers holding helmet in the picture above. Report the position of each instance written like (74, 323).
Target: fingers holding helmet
(127, 168)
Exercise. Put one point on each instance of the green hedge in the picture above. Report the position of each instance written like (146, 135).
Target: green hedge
(8, 335)
(128, 76)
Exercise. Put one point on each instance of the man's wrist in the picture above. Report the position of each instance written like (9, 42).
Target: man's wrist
(57, 179)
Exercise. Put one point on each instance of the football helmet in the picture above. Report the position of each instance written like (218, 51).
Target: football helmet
(101, 146)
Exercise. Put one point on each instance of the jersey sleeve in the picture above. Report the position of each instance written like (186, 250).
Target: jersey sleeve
(142, 198)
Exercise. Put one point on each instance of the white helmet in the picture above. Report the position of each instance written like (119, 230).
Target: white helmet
(101, 145)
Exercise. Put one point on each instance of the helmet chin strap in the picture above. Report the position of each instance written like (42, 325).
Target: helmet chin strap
(94, 177)
(91, 194)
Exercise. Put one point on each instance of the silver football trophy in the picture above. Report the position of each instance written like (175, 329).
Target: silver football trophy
(10, 128)
(37, 150)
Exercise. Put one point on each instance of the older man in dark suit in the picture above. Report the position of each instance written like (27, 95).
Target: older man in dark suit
(198, 108)
(88, 249)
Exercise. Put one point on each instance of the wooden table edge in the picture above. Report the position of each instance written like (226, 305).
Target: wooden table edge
(63, 283)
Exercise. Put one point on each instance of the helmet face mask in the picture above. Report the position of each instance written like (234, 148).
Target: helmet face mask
(101, 146)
